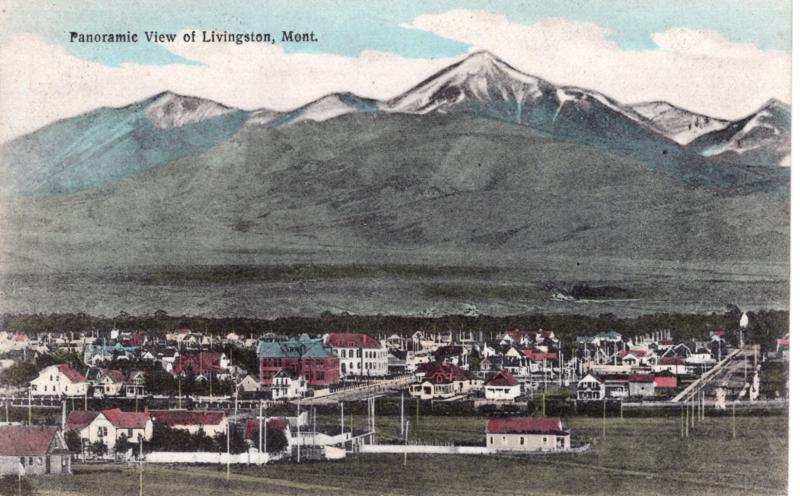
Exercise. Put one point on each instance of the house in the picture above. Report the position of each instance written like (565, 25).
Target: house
(33, 450)
(674, 364)
(593, 387)
(359, 355)
(526, 434)
(503, 387)
(300, 356)
(286, 386)
(95, 354)
(110, 383)
(110, 425)
(134, 387)
(540, 361)
(212, 422)
(444, 381)
(201, 363)
(248, 385)
(60, 380)
(642, 385)
(590, 388)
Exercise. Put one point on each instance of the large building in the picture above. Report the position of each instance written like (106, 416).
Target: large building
(60, 380)
(359, 355)
(300, 356)
(526, 434)
(32, 450)
(212, 422)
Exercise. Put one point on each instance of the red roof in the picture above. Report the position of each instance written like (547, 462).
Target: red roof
(352, 340)
(183, 330)
(540, 356)
(783, 341)
(251, 427)
(72, 374)
(525, 425)
(665, 341)
(671, 360)
(126, 420)
(137, 339)
(26, 440)
(666, 381)
(502, 378)
(78, 419)
(719, 332)
(20, 337)
(198, 363)
(641, 378)
(114, 375)
(446, 373)
(612, 378)
(187, 417)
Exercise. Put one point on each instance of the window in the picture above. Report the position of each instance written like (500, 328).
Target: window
(22, 461)
(491, 439)
(102, 431)
(522, 440)
(39, 460)
(544, 440)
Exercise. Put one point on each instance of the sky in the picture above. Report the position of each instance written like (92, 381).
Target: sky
(719, 57)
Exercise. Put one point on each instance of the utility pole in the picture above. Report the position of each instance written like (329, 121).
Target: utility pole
(604, 418)
(179, 392)
(733, 424)
(228, 435)
(402, 419)
(141, 468)
(260, 428)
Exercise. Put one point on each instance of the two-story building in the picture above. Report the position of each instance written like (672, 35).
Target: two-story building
(60, 380)
(359, 355)
(300, 356)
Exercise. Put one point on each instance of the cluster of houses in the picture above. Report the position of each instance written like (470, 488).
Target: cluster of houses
(645, 367)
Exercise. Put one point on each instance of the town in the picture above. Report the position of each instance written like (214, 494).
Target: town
(188, 396)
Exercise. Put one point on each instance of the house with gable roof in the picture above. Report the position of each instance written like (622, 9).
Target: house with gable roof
(359, 354)
(502, 387)
(28, 450)
(60, 380)
(303, 356)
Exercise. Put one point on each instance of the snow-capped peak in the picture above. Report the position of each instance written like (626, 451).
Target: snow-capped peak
(168, 110)
(479, 77)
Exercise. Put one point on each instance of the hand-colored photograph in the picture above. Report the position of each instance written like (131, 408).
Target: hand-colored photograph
(445, 247)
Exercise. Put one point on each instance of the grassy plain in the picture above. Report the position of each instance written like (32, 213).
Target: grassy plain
(638, 456)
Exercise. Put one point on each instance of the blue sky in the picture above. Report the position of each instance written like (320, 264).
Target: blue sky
(348, 27)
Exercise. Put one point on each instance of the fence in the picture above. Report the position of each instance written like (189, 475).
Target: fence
(248, 458)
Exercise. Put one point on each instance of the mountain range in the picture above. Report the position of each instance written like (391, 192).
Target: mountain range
(478, 165)
(108, 144)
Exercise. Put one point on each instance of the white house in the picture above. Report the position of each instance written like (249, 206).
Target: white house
(110, 425)
(59, 380)
(110, 383)
(286, 386)
(359, 355)
(502, 387)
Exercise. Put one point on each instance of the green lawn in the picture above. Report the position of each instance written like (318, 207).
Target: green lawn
(638, 456)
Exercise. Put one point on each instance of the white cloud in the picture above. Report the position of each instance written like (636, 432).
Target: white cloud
(42, 82)
(699, 70)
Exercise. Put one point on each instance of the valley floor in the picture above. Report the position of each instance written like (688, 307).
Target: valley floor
(638, 456)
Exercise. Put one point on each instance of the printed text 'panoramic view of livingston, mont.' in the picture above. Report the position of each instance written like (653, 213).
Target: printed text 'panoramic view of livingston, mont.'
(445, 247)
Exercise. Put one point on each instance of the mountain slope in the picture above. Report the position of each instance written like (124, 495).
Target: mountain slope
(680, 125)
(110, 144)
(393, 187)
(762, 138)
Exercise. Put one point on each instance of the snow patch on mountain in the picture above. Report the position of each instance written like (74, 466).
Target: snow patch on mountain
(680, 125)
(169, 110)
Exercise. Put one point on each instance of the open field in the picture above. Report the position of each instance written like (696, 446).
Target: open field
(638, 456)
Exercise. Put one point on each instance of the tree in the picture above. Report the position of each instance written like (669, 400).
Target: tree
(121, 445)
(276, 440)
(73, 440)
(98, 448)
